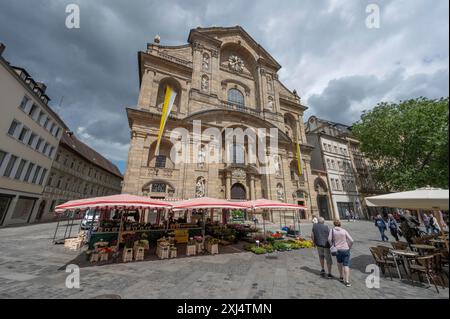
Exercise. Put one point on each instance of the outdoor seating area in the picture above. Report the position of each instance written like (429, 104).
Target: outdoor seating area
(125, 228)
(424, 261)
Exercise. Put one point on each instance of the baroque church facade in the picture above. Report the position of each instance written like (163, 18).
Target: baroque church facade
(223, 79)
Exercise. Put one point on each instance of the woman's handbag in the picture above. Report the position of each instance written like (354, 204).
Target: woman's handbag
(333, 249)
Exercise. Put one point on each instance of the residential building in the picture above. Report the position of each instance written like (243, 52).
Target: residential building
(78, 172)
(29, 136)
(337, 152)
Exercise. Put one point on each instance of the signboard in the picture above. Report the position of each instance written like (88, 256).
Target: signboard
(181, 236)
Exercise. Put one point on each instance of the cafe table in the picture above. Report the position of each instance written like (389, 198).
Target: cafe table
(404, 254)
(423, 248)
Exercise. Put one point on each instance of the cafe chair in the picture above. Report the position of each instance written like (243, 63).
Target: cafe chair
(425, 266)
(399, 245)
(381, 261)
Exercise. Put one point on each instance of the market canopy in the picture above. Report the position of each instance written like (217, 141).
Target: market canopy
(206, 202)
(119, 201)
(423, 198)
(272, 204)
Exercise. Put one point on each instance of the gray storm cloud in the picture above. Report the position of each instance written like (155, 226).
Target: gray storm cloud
(328, 55)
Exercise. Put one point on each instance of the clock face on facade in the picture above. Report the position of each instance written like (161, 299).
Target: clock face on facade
(235, 63)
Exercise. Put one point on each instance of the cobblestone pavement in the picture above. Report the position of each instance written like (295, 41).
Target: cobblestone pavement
(32, 267)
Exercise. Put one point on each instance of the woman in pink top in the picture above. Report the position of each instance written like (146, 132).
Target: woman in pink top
(343, 242)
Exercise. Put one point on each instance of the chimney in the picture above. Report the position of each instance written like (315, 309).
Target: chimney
(2, 48)
(42, 86)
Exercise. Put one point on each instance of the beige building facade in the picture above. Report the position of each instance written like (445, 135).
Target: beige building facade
(77, 172)
(224, 81)
(29, 136)
(337, 152)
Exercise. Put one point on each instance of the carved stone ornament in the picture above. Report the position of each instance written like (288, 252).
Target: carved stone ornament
(214, 53)
(235, 63)
(200, 188)
(239, 174)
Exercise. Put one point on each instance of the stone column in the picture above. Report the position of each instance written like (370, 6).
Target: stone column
(252, 188)
(228, 186)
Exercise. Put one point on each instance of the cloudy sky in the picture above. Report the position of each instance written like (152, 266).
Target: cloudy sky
(338, 66)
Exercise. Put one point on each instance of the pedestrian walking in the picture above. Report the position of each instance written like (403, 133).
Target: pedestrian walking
(434, 225)
(426, 223)
(341, 242)
(393, 226)
(347, 215)
(381, 225)
(319, 235)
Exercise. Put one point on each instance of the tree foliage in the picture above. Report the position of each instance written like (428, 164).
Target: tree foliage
(406, 143)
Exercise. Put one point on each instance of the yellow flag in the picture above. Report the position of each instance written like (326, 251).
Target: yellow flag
(299, 160)
(169, 99)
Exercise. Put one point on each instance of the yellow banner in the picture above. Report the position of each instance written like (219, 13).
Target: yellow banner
(169, 99)
(299, 160)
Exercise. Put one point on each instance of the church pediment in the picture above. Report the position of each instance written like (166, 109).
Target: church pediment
(221, 36)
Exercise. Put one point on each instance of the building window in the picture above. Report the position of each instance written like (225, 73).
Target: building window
(160, 161)
(41, 180)
(28, 173)
(32, 110)
(36, 174)
(50, 179)
(10, 166)
(2, 157)
(20, 169)
(40, 117)
(23, 133)
(47, 119)
(57, 132)
(13, 127)
(44, 150)
(24, 102)
(159, 188)
(52, 128)
(50, 153)
(31, 139)
(38, 144)
(236, 97)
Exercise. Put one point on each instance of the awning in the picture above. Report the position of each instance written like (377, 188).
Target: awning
(206, 203)
(423, 198)
(119, 201)
(272, 204)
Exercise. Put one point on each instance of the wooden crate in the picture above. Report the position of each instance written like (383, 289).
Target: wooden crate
(163, 253)
(213, 249)
(173, 253)
(127, 255)
(191, 250)
(95, 257)
(139, 253)
(104, 256)
(200, 247)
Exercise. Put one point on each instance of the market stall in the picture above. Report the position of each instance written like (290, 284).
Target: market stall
(262, 205)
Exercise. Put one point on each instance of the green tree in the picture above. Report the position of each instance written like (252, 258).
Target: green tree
(406, 143)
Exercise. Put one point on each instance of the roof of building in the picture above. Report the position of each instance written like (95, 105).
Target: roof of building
(69, 140)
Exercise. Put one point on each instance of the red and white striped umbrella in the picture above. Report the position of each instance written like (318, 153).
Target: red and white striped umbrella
(119, 201)
(206, 202)
(272, 204)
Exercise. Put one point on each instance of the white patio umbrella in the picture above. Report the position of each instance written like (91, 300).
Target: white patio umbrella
(422, 198)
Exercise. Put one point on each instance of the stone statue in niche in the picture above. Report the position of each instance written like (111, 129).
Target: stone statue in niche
(270, 103)
(280, 192)
(200, 188)
(205, 63)
(205, 83)
(269, 83)
(201, 158)
(277, 165)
